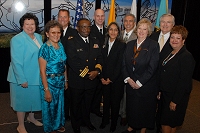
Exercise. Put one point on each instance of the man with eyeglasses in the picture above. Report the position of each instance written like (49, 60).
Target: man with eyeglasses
(64, 20)
(98, 31)
(167, 21)
(84, 59)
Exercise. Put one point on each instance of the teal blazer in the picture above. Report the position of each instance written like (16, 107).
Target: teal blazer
(24, 66)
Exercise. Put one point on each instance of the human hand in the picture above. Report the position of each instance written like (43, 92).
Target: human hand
(66, 85)
(24, 85)
(108, 81)
(92, 74)
(133, 84)
(172, 106)
(48, 96)
(103, 81)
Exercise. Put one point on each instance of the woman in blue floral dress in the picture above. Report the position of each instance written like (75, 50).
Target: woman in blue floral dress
(52, 60)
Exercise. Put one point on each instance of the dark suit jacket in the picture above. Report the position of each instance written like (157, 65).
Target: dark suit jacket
(133, 36)
(70, 32)
(146, 65)
(112, 63)
(80, 55)
(167, 47)
(176, 76)
(94, 32)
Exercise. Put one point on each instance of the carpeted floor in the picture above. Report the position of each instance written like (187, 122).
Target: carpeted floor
(8, 119)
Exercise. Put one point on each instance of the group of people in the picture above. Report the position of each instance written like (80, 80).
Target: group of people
(142, 76)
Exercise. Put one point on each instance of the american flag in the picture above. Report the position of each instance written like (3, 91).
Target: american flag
(79, 12)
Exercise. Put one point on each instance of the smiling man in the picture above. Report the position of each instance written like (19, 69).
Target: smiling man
(167, 21)
(98, 31)
(84, 60)
(127, 35)
(64, 20)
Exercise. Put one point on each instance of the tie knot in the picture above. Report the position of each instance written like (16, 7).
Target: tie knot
(126, 37)
(86, 40)
(100, 30)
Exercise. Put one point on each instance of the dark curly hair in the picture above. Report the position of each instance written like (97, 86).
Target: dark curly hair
(52, 24)
(179, 29)
(29, 16)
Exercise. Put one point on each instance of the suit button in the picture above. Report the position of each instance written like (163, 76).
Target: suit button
(164, 70)
(86, 60)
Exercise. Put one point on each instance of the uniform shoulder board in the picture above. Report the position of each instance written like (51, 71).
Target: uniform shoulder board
(70, 37)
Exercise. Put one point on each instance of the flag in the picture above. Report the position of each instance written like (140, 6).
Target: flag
(111, 17)
(79, 12)
(163, 9)
(134, 8)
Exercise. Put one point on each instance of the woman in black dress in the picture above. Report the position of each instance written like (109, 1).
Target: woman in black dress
(175, 77)
(139, 66)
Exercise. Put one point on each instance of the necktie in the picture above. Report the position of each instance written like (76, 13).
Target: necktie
(100, 31)
(86, 41)
(64, 32)
(126, 37)
(161, 42)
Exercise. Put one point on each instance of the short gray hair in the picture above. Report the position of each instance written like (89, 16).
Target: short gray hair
(168, 15)
(129, 14)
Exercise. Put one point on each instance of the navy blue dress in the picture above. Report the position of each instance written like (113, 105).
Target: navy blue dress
(53, 112)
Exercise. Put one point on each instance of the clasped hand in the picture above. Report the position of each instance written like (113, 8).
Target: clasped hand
(92, 74)
(24, 85)
(105, 82)
(172, 106)
(133, 84)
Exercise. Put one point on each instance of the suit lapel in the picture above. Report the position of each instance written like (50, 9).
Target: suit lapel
(113, 48)
(30, 40)
(132, 37)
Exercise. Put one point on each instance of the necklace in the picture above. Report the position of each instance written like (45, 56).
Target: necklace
(169, 57)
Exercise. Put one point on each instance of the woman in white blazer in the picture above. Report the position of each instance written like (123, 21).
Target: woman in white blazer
(23, 73)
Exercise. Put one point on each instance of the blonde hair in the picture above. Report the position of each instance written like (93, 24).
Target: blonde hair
(144, 21)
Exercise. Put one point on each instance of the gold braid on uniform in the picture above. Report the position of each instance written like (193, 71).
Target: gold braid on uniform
(98, 66)
(84, 72)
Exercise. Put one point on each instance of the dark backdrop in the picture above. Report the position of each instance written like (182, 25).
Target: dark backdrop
(187, 13)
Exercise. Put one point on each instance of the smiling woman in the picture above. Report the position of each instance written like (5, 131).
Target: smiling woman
(23, 74)
(52, 61)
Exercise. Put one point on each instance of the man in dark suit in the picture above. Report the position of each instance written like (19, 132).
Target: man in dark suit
(98, 31)
(84, 60)
(64, 20)
(127, 35)
(167, 21)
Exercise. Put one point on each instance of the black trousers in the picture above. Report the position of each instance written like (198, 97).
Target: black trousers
(112, 95)
(97, 99)
(81, 100)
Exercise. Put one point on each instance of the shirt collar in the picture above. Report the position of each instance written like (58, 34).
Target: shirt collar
(84, 38)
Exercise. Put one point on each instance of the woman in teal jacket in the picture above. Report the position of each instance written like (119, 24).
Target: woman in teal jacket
(23, 73)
